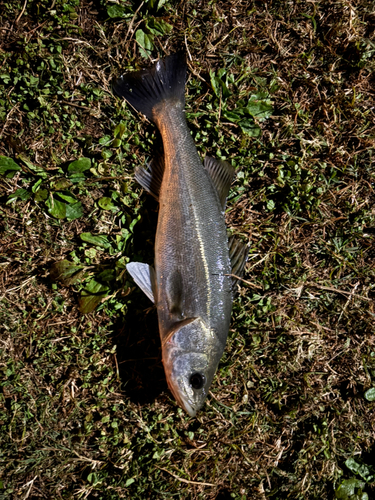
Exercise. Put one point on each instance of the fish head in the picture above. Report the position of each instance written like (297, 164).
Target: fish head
(191, 354)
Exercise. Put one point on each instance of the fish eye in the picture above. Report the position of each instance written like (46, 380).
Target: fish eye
(196, 380)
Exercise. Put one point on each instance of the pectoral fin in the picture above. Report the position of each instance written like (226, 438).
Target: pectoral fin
(221, 174)
(144, 276)
(238, 254)
(175, 294)
(150, 178)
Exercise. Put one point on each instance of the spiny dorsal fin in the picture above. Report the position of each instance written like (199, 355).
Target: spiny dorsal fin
(150, 178)
(221, 174)
(144, 276)
(238, 254)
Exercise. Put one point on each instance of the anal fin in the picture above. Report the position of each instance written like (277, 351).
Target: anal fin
(150, 178)
(144, 276)
(221, 173)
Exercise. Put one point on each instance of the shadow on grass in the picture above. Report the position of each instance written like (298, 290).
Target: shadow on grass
(138, 341)
(224, 495)
(139, 354)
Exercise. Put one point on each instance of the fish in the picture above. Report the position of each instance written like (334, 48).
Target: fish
(191, 282)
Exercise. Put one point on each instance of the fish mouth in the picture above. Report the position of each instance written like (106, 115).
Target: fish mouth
(187, 407)
(181, 400)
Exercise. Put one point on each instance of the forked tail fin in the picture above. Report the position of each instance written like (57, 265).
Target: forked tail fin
(162, 81)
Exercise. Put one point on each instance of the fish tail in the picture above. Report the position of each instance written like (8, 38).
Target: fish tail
(145, 89)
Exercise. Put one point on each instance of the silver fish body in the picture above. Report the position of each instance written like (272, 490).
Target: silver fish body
(191, 284)
(191, 263)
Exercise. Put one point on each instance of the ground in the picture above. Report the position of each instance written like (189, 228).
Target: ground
(285, 92)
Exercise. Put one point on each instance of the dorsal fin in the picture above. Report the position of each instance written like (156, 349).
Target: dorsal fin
(150, 178)
(221, 173)
(238, 254)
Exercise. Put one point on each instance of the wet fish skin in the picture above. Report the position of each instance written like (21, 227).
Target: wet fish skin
(191, 285)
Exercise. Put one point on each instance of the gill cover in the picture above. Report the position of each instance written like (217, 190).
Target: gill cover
(191, 354)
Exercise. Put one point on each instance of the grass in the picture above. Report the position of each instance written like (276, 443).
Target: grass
(285, 92)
